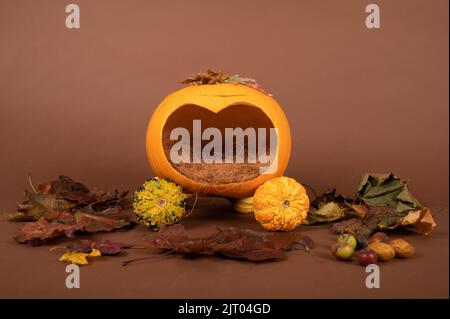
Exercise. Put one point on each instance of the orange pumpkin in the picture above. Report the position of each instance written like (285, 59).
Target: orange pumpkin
(218, 105)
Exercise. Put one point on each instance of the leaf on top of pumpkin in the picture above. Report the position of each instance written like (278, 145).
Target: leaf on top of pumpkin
(208, 77)
(213, 77)
(228, 242)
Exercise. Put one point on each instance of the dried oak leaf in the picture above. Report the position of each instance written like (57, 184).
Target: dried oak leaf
(228, 242)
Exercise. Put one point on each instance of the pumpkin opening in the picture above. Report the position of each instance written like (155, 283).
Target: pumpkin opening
(243, 116)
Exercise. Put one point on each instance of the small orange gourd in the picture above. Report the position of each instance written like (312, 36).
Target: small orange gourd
(280, 204)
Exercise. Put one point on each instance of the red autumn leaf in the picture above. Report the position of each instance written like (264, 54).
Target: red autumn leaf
(41, 230)
(228, 242)
(67, 224)
(82, 246)
(105, 247)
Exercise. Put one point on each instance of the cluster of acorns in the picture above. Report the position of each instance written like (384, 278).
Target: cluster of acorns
(378, 248)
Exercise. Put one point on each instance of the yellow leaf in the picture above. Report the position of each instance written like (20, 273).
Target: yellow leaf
(79, 258)
(421, 220)
(95, 253)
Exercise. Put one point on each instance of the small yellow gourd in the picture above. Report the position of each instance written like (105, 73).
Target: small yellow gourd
(159, 202)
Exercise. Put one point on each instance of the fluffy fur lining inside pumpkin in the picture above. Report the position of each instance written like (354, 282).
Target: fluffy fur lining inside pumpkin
(243, 116)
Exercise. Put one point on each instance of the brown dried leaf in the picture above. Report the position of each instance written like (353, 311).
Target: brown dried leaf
(363, 227)
(229, 242)
(66, 225)
(41, 230)
(105, 247)
(208, 77)
(64, 194)
(420, 220)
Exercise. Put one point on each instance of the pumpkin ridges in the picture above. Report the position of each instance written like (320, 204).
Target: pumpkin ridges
(269, 208)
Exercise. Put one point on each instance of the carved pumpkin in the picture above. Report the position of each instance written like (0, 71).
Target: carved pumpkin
(223, 102)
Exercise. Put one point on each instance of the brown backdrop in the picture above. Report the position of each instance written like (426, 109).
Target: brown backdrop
(77, 102)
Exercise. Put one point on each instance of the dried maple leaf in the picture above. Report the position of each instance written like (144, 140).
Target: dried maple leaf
(228, 242)
(79, 258)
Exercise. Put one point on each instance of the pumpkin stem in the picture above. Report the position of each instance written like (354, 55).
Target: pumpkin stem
(286, 203)
(213, 77)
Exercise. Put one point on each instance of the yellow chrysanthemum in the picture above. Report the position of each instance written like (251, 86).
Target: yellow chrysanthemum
(159, 201)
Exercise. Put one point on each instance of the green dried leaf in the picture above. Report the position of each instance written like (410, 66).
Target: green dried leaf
(387, 190)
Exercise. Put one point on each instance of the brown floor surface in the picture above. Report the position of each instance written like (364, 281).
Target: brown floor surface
(35, 272)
